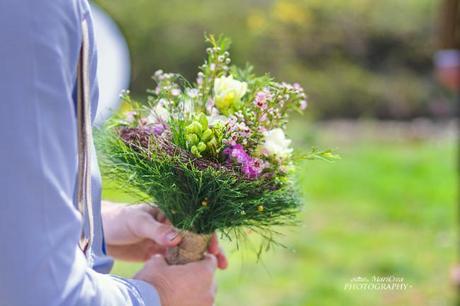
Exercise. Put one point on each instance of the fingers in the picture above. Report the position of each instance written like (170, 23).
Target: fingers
(189, 284)
(159, 229)
(156, 261)
(155, 212)
(210, 261)
(136, 252)
(163, 234)
(222, 261)
(151, 209)
(216, 250)
(213, 247)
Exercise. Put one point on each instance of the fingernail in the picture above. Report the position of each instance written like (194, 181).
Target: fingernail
(171, 235)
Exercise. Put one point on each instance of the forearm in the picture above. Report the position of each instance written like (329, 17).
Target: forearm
(112, 220)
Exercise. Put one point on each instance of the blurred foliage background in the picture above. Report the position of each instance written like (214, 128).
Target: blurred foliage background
(388, 207)
(356, 58)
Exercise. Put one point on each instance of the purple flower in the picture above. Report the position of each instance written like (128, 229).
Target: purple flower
(237, 152)
(153, 129)
(251, 167)
(159, 128)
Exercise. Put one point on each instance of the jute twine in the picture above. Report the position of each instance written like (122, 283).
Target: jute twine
(190, 249)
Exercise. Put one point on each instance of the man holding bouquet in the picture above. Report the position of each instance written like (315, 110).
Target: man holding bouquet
(52, 252)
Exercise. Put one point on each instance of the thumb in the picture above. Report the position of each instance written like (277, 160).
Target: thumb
(211, 261)
(163, 234)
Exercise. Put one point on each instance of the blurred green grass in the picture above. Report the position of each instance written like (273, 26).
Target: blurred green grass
(385, 209)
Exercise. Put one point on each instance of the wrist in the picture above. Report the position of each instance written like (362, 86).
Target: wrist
(147, 292)
(113, 222)
(161, 286)
(158, 282)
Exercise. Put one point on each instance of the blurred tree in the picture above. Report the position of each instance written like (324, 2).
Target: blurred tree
(355, 58)
(447, 59)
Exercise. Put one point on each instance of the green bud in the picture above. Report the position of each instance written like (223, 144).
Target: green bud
(195, 151)
(218, 129)
(203, 121)
(192, 139)
(206, 135)
(212, 143)
(194, 127)
(201, 147)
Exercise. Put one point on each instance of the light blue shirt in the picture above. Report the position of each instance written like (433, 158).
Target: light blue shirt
(40, 261)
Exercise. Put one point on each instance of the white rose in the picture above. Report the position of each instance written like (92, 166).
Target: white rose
(276, 143)
(158, 113)
(228, 93)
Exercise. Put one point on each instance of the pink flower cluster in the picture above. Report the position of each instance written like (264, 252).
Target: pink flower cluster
(238, 131)
(298, 93)
(261, 102)
(261, 99)
(251, 167)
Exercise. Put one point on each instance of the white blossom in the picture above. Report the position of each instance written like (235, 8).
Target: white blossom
(276, 143)
(228, 93)
(158, 114)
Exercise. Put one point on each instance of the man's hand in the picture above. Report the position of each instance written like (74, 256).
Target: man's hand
(136, 232)
(217, 251)
(191, 284)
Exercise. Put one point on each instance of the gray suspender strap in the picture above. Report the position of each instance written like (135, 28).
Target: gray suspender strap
(85, 141)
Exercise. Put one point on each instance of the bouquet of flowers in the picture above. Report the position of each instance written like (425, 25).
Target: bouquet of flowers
(213, 154)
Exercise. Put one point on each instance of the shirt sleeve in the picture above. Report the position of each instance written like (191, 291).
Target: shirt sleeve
(40, 262)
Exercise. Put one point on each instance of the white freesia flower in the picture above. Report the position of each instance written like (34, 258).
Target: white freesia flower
(228, 93)
(158, 113)
(276, 143)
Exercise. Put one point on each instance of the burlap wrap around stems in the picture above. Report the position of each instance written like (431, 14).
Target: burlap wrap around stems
(190, 249)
